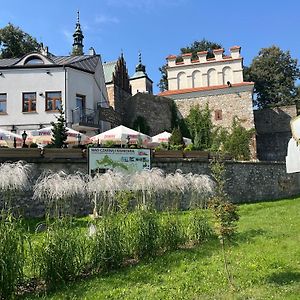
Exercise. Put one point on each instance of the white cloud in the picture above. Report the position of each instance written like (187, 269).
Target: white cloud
(106, 19)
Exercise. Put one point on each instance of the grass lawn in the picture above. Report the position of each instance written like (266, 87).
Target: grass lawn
(264, 261)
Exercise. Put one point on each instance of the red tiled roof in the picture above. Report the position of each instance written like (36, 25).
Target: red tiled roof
(202, 52)
(206, 88)
(235, 47)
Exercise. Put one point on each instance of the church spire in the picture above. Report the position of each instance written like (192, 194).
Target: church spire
(78, 38)
(140, 67)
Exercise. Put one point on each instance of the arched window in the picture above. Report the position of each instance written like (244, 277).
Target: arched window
(196, 79)
(33, 60)
(212, 77)
(181, 81)
(227, 75)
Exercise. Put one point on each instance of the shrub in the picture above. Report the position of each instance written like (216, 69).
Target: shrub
(176, 138)
(12, 255)
(33, 145)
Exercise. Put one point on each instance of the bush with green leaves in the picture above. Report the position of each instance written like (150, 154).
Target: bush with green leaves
(200, 126)
(176, 139)
(12, 255)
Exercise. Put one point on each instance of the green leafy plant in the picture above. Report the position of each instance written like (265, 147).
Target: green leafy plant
(237, 142)
(59, 131)
(176, 138)
(224, 212)
(200, 126)
(140, 124)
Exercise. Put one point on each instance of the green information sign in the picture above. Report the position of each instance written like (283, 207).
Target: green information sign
(119, 159)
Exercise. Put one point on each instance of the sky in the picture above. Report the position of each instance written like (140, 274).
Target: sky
(157, 28)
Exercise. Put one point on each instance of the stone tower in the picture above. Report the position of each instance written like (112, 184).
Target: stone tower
(140, 82)
(78, 38)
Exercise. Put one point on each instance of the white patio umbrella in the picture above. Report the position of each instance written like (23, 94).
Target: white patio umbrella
(120, 135)
(7, 138)
(44, 136)
(164, 138)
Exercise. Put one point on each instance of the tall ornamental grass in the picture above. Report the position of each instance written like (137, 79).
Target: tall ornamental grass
(61, 255)
(106, 245)
(14, 177)
(58, 191)
(12, 255)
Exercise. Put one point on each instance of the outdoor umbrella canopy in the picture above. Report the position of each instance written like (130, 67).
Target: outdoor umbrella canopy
(7, 138)
(44, 136)
(122, 135)
(164, 138)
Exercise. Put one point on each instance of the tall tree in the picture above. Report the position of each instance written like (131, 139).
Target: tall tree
(59, 131)
(274, 73)
(196, 46)
(14, 42)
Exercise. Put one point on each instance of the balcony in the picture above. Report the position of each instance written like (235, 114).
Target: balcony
(85, 119)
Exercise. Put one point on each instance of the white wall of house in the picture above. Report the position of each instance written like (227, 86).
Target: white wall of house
(14, 82)
(68, 81)
(205, 72)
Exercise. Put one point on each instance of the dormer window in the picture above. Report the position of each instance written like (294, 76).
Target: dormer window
(33, 60)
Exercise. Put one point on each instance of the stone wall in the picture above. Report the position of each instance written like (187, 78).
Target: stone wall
(246, 181)
(273, 131)
(155, 110)
(230, 103)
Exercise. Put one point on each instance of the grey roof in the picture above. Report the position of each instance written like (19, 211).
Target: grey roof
(138, 74)
(6, 62)
(86, 63)
(109, 69)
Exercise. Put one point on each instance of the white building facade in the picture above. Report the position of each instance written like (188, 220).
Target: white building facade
(35, 87)
(205, 72)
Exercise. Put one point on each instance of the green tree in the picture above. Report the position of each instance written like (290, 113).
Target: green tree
(200, 127)
(140, 124)
(14, 42)
(225, 213)
(196, 46)
(274, 73)
(59, 131)
(176, 139)
(237, 142)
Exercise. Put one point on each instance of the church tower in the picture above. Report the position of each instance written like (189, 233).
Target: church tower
(140, 82)
(78, 38)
